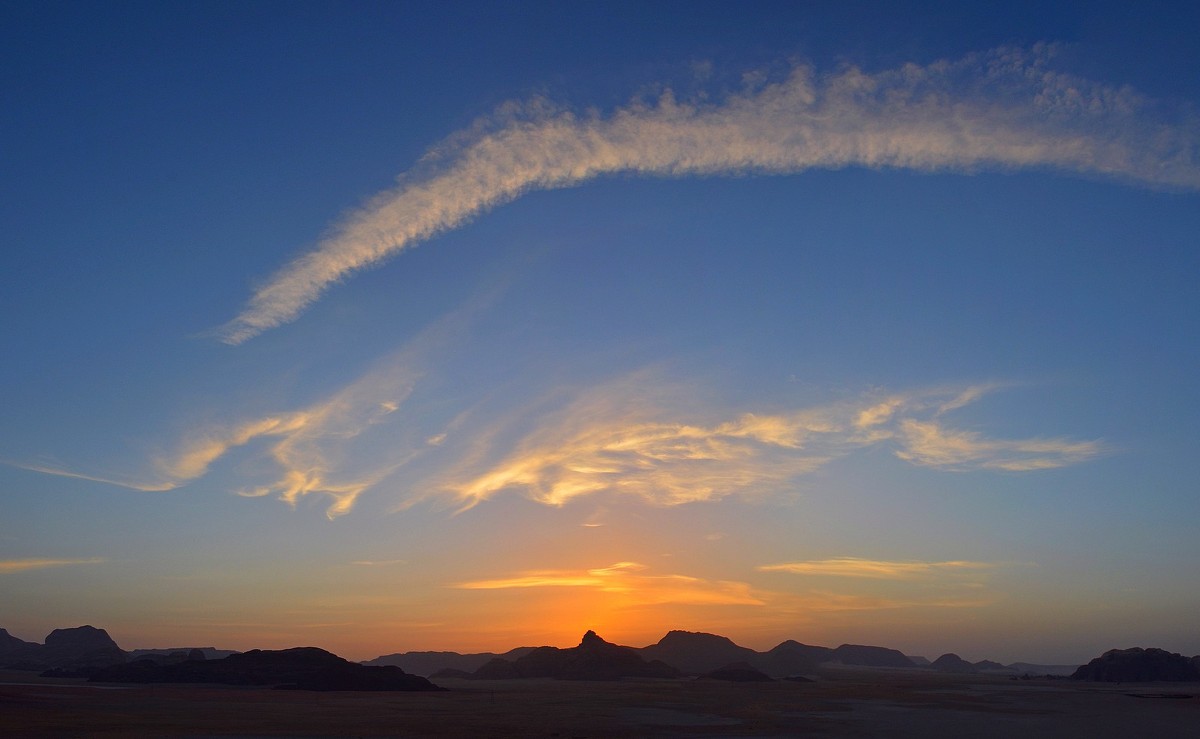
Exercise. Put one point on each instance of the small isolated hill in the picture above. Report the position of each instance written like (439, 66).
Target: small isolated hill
(792, 658)
(952, 663)
(593, 659)
(300, 668)
(1139, 665)
(695, 653)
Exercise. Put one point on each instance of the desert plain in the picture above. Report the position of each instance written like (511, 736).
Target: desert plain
(841, 702)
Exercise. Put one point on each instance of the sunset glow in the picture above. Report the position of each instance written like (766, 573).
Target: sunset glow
(469, 326)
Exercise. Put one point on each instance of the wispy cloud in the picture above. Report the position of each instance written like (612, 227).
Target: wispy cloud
(609, 442)
(1002, 109)
(929, 444)
(132, 484)
(877, 569)
(11, 566)
(631, 584)
(336, 448)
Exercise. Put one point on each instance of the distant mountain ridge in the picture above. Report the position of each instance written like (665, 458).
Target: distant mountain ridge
(688, 652)
(299, 668)
(593, 659)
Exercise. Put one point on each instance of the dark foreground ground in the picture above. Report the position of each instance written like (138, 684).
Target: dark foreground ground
(844, 703)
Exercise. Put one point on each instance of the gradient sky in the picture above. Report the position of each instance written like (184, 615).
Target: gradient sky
(395, 326)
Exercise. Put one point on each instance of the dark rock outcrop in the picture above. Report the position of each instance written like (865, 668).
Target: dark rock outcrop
(952, 663)
(1139, 665)
(738, 672)
(301, 668)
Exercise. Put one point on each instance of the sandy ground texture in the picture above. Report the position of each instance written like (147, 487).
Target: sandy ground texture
(843, 703)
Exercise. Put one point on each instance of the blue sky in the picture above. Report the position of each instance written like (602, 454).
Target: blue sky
(460, 326)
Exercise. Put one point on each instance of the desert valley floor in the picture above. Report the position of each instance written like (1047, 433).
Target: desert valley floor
(841, 703)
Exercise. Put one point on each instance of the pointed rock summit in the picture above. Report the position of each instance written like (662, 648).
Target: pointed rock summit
(591, 639)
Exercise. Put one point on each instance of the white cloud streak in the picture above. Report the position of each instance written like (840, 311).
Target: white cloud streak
(1005, 109)
(877, 569)
(12, 566)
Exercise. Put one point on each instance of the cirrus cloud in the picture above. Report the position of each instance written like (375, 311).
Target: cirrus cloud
(1004, 109)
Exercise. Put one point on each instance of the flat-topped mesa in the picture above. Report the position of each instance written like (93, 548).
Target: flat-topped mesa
(1140, 665)
(81, 638)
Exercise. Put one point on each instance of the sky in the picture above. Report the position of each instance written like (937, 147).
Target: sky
(384, 327)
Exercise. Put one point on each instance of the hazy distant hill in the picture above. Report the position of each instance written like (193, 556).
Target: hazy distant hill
(695, 653)
(208, 652)
(428, 663)
(1030, 668)
(790, 658)
(867, 656)
(953, 663)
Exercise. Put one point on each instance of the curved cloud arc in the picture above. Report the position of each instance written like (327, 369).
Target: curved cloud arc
(1003, 109)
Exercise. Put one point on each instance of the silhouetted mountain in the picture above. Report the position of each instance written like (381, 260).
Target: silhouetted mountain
(1139, 665)
(430, 663)
(593, 659)
(738, 672)
(791, 658)
(303, 668)
(952, 663)
(919, 661)
(865, 656)
(986, 665)
(11, 646)
(695, 653)
(67, 652)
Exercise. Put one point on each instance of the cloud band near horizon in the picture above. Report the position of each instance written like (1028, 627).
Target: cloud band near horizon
(1004, 109)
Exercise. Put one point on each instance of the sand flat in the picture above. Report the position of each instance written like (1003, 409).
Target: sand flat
(840, 704)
